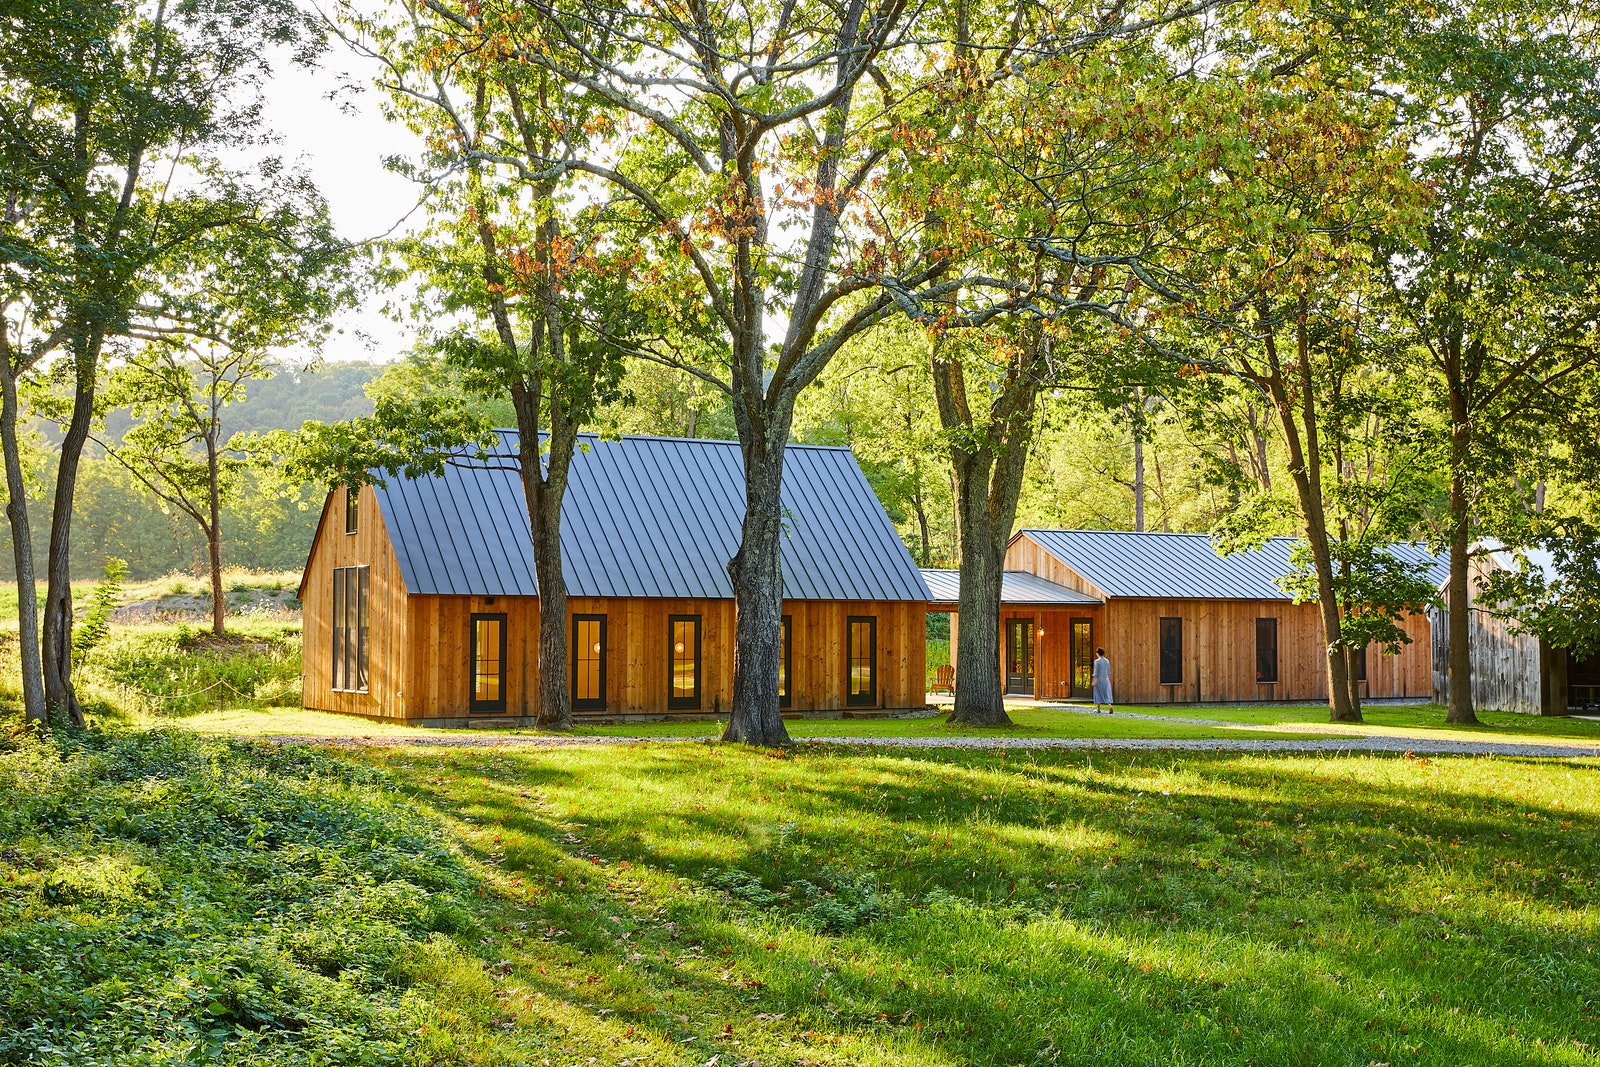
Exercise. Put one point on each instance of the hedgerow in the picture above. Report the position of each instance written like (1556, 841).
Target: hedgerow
(166, 898)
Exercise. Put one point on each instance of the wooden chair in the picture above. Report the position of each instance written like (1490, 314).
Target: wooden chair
(944, 677)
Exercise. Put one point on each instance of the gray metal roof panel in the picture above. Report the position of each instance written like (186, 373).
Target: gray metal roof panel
(1185, 566)
(646, 517)
(1016, 587)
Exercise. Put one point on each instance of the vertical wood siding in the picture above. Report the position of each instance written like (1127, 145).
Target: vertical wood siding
(1219, 645)
(637, 657)
(387, 615)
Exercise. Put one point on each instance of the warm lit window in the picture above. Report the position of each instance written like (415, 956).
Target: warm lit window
(1171, 651)
(785, 660)
(488, 663)
(588, 662)
(350, 620)
(352, 510)
(683, 653)
(863, 652)
(1266, 651)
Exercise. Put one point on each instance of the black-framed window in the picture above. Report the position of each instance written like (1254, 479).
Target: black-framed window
(862, 649)
(1266, 651)
(1358, 657)
(488, 663)
(683, 661)
(588, 662)
(351, 621)
(352, 510)
(786, 661)
(1171, 650)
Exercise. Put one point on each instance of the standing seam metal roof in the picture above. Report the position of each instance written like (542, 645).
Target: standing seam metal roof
(646, 517)
(1016, 587)
(1186, 566)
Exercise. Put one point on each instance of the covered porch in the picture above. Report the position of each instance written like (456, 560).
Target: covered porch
(1048, 634)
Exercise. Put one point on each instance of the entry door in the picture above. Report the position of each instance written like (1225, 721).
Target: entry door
(588, 663)
(1019, 656)
(1082, 653)
(488, 664)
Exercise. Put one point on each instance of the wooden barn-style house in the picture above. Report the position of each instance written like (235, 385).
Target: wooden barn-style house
(421, 603)
(1178, 622)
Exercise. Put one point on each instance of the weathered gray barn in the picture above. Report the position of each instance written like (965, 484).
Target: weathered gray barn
(1513, 671)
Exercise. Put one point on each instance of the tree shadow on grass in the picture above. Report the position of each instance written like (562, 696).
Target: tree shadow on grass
(1043, 910)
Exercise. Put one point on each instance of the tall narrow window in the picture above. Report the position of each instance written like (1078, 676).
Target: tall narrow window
(352, 510)
(1266, 651)
(351, 620)
(683, 653)
(1359, 655)
(785, 661)
(862, 633)
(488, 664)
(588, 662)
(1171, 651)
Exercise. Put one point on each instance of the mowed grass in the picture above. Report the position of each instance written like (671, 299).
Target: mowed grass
(1423, 721)
(173, 899)
(702, 904)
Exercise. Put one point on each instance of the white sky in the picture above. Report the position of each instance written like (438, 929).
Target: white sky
(343, 142)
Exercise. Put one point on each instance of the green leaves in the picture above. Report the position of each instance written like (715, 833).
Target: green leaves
(409, 437)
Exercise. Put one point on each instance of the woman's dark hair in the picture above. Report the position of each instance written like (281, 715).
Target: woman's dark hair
(1099, 651)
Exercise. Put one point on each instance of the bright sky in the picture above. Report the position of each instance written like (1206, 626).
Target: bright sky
(342, 142)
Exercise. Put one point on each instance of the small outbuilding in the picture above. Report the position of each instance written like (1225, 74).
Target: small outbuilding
(1178, 622)
(421, 603)
(1512, 671)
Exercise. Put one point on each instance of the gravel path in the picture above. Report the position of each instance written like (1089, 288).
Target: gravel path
(1415, 745)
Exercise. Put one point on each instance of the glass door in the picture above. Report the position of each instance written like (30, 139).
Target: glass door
(1019, 656)
(588, 663)
(1081, 652)
(488, 664)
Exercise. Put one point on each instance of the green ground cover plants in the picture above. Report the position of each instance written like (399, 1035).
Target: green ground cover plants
(171, 899)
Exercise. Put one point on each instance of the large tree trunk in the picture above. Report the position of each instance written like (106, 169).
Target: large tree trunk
(1460, 710)
(756, 571)
(544, 493)
(60, 697)
(33, 701)
(980, 690)
(987, 477)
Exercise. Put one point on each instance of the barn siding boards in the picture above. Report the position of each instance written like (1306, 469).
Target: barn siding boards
(1511, 671)
(637, 655)
(1218, 634)
(387, 618)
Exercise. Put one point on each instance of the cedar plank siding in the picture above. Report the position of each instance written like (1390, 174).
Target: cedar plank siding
(387, 618)
(636, 653)
(1218, 645)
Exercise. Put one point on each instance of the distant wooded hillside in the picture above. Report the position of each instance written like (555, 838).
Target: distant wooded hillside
(263, 530)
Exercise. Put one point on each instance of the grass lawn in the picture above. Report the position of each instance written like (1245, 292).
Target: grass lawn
(165, 897)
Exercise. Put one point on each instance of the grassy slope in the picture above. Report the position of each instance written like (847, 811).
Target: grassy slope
(689, 904)
(670, 905)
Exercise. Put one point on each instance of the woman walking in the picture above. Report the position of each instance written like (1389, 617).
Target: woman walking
(1102, 681)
